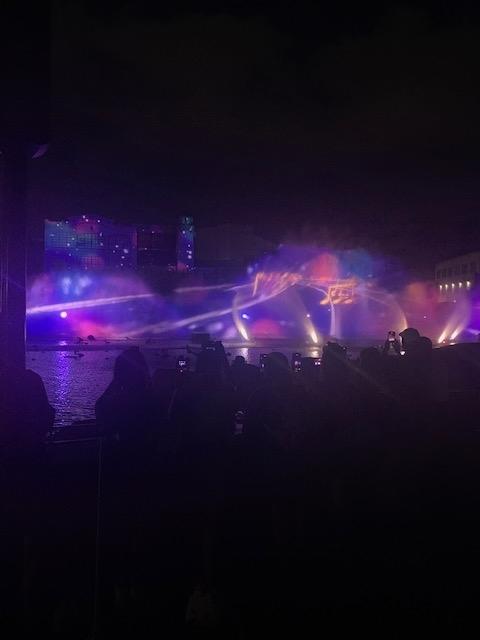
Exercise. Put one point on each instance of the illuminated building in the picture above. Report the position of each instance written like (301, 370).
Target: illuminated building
(457, 276)
(120, 246)
(185, 244)
(157, 246)
(88, 243)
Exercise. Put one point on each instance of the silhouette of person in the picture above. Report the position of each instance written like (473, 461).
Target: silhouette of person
(408, 336)
(275, 410)
(392, 345)
(371, 378)
(125, 407)
(245, 378)
(26, 412)
(202, 408)
(25, 418)
(335, 372)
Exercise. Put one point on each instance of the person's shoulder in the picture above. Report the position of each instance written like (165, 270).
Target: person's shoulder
(32, 378)
(33, 375)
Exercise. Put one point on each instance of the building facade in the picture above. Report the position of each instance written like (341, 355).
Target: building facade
(457, 276)
(91, 243)
(157, 247)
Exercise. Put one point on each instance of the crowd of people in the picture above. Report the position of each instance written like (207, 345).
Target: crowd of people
(236, 501)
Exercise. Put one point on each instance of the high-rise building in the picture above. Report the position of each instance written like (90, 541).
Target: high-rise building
(185, 244)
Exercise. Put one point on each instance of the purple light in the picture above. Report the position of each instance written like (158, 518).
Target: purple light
(63, 314)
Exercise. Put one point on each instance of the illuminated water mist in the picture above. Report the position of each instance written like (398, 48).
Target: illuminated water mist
(299, 293)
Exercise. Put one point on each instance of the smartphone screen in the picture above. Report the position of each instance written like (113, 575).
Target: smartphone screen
(182, 364)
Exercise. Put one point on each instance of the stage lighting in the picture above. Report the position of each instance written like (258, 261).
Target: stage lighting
(63, 314)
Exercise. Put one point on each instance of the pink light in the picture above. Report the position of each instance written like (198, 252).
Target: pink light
(63, 314)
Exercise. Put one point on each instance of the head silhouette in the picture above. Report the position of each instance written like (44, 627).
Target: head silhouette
(277, 370)
(370, 359)
(334, 365)
(239, 361)
(409, 336)
(208, 363)
(131, 370)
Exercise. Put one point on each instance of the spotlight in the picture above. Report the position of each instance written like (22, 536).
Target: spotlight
(63, 314)
(245, 316)
(243, 332)
(442, 336)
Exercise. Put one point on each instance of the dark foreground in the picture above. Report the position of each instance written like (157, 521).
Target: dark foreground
(337, 503)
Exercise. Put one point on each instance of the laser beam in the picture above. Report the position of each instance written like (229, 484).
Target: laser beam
(85, 304)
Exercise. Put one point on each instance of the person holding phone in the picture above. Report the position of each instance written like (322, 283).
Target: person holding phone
(392, 345)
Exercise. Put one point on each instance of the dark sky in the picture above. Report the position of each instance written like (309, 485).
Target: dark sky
(355, 122)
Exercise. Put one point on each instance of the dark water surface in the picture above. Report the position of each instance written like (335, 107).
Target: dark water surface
(74, 384)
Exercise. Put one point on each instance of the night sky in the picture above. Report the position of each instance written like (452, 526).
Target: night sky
(355, 124)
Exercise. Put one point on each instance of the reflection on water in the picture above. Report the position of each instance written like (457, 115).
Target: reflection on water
(74, 384)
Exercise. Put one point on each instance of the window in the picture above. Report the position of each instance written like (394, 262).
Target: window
(449, 272)
(473, 267)
(464, 268)
(88, 240)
